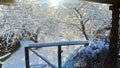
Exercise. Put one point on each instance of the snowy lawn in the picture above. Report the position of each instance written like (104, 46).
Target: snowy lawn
(92, 55)
(17, 60)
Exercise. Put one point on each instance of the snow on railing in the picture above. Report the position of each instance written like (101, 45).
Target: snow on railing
(63, 43)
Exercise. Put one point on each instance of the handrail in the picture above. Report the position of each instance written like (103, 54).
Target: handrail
(62, 43)
(58, 44)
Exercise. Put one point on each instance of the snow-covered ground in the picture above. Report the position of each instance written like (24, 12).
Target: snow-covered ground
(17, 60)
(96, 50)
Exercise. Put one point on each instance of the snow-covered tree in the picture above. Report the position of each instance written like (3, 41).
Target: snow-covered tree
(88, 19)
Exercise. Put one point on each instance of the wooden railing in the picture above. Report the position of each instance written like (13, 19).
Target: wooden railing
(58, 44)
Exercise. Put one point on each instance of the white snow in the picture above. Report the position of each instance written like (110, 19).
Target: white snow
(17, 60)
(89, 55)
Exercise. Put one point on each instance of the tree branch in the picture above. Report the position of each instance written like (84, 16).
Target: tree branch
(81, 22)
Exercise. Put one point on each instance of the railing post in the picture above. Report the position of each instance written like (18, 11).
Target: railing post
(27, 57)
(59, 57)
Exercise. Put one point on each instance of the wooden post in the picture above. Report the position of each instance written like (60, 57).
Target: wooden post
(27, 57)
(113, 51)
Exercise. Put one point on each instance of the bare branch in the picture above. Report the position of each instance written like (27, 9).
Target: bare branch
(78, 13)
(86, 21)
(77, 26)
(81, 22)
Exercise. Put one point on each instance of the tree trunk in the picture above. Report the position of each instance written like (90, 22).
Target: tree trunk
(111, 60)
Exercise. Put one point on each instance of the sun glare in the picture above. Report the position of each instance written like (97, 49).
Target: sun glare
(55, 3)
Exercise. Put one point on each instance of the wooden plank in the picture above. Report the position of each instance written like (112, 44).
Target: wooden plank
(63, 43)
(104, 1)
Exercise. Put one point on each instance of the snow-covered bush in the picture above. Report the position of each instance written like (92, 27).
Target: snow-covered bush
(91, 56)
(8, 46)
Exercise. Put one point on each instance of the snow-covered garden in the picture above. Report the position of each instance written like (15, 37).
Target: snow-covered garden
(92, 55)
(32, 21)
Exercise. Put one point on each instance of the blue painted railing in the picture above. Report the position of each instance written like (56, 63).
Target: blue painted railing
(58, 44)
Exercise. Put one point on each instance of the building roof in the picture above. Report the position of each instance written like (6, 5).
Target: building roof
(104, 1)
(98, 1)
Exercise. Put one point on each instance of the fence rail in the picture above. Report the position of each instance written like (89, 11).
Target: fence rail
(58, 44)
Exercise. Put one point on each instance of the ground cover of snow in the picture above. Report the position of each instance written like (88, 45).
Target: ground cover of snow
(17, 59)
